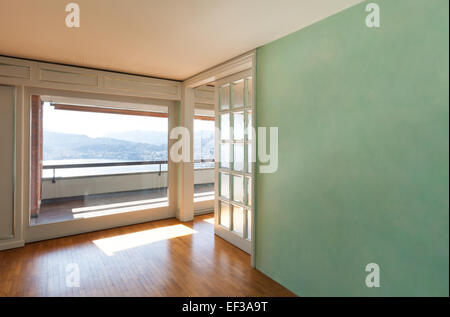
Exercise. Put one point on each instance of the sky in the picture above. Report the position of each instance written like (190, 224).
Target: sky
(97, 125)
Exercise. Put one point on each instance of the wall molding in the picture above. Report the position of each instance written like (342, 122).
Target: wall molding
(20, 72)
(235, 65)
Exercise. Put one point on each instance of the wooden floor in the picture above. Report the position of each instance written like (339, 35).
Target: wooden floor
(160, 258)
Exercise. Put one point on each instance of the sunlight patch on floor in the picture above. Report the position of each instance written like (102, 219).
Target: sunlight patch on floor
(131, 240)
(209, 220)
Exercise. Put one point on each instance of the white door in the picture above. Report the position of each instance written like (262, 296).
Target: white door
(234, 170)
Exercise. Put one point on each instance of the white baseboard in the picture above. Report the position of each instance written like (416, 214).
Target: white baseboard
(5, 245)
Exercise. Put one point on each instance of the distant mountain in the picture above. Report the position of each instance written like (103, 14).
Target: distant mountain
(63, 146)
(59, 146)
(149, 137)
(203, 140)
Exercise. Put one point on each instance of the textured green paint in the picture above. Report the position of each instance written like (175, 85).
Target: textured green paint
(363, 117)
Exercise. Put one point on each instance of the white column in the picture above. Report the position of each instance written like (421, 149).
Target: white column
(185, 210)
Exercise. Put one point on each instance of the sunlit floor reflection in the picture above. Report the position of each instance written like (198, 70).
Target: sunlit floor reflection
(209, 220)
(122, 204)
(109, 209)
(93, 205)
(131, 240)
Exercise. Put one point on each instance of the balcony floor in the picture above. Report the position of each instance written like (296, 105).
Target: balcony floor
(64, 209)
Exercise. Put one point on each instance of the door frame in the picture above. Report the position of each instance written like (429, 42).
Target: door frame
(236, 65)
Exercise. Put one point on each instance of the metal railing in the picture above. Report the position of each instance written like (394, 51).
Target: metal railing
(54, 167)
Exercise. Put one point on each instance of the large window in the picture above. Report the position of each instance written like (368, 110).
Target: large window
(81, 137)
(99, 161)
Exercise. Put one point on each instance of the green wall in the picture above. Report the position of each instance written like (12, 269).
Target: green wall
(363, 176)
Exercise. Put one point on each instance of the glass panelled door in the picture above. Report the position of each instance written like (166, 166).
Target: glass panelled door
(234, 170)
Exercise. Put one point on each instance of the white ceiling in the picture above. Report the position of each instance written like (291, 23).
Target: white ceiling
(172, 39)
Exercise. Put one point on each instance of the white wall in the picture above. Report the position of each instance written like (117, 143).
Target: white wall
(204, 176)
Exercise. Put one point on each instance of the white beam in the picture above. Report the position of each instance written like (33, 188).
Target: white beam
(185, 210)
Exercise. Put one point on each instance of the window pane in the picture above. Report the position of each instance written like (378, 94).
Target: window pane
(238, 220)
(224, 214)
(248, 187)
(224, 185)
(238, 128)
(238, 157)
(131, 149)
(238, 189)
(225, 155)
(249, 92)
(249, 125)
(203, 143)
(238, 94)
(204, 150)
(249, 224)
(225, 126)
(224, 96)
(249, 158)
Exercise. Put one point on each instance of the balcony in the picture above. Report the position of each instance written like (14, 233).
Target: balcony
(74, 191)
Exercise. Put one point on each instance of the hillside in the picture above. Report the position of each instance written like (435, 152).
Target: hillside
(60, 146)
(148, 137)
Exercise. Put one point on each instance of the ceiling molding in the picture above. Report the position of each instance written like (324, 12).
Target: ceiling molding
(228, 68)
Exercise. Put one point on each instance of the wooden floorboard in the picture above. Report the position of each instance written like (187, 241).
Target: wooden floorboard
(134, 261)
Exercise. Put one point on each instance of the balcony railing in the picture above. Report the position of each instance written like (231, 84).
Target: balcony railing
(54, 167)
